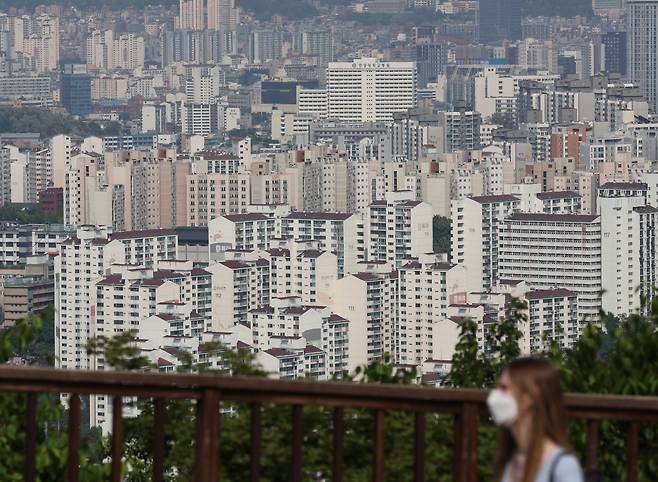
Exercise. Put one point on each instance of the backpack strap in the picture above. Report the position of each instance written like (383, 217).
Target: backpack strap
(556, 460)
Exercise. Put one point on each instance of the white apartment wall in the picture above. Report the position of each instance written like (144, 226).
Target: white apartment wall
(350, 302)
(620, 254)
(467, 240)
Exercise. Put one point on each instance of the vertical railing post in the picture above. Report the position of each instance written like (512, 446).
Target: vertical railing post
(207, 437)
(255, 441)
(419, 447)
(29, 470)
(592, 455)
(466, 443)
(297, 440)
(632, 451)
(117, 437)
(73, 467)
(378, 455)
(339, 444)
(158, 439)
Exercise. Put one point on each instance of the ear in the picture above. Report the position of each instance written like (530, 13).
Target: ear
(525, 402)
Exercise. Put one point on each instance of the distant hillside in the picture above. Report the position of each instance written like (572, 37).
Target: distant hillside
(558, 8)
(264, 9)
(49, 123)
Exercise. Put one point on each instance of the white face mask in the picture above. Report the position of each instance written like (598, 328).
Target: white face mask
(503, 408)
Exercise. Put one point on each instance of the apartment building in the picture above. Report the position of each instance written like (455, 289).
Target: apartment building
(628, 246)
(368, 299)
(85, 258)
(427, 285)
(475, 226)
(399, 227)
(461, 130)
(23, 296)
(145, 248)
(18, 242)
(551, 251)
(212, 195)
(248, 232)
(553, 316)
(128, 296)
(339, 233)
(559, 202)
(239, 283)
(300, 269)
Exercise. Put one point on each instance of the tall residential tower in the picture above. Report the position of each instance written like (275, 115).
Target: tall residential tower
(642, 55)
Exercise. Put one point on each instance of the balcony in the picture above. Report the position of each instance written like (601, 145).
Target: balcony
(466, 407)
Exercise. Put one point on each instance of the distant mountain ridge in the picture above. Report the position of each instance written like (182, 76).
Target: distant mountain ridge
(264, 9)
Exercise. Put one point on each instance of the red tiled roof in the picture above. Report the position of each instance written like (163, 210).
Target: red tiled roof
(554, 293)
(147, 233)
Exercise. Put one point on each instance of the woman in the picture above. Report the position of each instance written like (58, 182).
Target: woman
(528, 407)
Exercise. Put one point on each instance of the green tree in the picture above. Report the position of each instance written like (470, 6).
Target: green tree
(52, 443)
(441, 230)
(504, 119)
(49, 123)
(27, 214)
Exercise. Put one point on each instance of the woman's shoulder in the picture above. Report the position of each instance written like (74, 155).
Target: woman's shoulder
(567, 468)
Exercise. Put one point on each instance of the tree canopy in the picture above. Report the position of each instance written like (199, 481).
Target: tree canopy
(27, 214)
(441, 230)
(49, 123)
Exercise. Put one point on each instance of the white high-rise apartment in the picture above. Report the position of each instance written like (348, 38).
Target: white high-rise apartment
(399, 228)
(550, 251)
(248, 232)
(190, 15)
(641, 53)
(84, 259)
(369, 301)
(369, 89)
(128, 51)
(105, 51)
(339, 233)
(628, 246)
(126, 297)
(222, 14)
(553, 315)
(41, 43)
(213, 195)
(427, 286)
(60, 148)
(300, 269)
(475, 225)
(202, 83)
(318, 43)
(239, 284)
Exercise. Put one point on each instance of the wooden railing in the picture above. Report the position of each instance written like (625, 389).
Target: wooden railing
(466, 406)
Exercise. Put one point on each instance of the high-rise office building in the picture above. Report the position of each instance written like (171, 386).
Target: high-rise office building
(369, 89)
(75, 93)
(642, 56)
(615, 52)
(500, 20)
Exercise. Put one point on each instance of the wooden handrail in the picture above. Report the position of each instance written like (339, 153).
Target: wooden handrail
(211, 390)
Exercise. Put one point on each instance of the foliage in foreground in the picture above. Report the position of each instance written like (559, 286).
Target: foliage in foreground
(621, 358)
